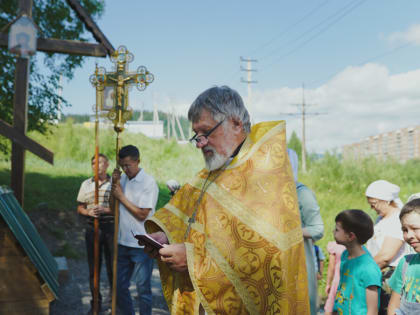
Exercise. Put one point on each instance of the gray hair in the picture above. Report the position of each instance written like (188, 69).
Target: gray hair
(223, 103)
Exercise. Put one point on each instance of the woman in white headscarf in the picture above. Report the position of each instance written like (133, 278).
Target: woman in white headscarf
(387, 244)
(312, 228)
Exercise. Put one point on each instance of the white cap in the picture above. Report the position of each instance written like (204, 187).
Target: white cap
(173, 185)
(414, 196)
(384, 190)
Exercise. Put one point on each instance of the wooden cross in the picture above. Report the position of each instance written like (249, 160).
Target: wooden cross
(17, 132)
(119, 80)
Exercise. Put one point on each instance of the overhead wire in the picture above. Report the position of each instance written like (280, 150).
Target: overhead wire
(379, 56)
(322, 30)
(311, 29)
(334, 18)
(284, 31)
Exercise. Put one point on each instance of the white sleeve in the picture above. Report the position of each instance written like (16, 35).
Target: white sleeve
(149, 196)
(81, 196)
(393, 228)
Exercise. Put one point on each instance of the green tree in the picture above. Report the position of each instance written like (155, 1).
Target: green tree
(55, 19)
(295, 144)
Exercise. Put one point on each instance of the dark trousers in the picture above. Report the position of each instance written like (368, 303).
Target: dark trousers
(385, 290)
(106, 237)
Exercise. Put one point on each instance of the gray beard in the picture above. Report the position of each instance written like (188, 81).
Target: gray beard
(215, 161)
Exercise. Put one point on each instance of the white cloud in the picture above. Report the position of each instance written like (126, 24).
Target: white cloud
(358, 102)
(411, 35)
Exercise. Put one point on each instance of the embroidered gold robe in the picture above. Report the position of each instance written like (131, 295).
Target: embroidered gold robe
(245, 249)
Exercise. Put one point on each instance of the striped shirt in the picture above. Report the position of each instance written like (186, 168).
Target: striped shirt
(87, 195)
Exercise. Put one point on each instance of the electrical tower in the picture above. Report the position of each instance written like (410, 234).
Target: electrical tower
(303, 113)
(249, 71)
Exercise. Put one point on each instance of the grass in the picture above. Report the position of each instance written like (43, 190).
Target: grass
(73, 146)
(337, 184)
(340, 185)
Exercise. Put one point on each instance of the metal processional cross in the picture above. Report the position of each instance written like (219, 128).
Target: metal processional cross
(112, 101)
(112, 87)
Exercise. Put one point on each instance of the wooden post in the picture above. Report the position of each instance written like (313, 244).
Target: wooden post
(96, 223)
(17, 132)
(116, 229)
(20, 114)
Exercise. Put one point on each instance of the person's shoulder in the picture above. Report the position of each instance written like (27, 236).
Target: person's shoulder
(86, 182)
(306, 197)
(412, 259)
(300, 187)
(147, 178)
(392, 219)
(334, 248)
(344, 255)
(369, 261)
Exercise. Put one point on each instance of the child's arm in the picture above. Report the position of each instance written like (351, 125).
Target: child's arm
(372, 300)
(394, 303)
(321, 270)
(330, 273)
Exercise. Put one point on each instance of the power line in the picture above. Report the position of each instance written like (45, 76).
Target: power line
(303, 114)
(284, 31)
(231, 77)
(249, 71)
(334, 21)
(310, 30)
(379, 56)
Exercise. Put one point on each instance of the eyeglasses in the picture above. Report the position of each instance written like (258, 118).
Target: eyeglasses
(201, 139)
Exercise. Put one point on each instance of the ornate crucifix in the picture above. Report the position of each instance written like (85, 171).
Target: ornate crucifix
(17, 132)
(112, 87)
(112, 101)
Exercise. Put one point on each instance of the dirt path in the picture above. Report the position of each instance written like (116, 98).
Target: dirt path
(63, 234)
(74, 294)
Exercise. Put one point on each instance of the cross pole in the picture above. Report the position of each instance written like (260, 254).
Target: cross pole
(118, 113)
(17, 132)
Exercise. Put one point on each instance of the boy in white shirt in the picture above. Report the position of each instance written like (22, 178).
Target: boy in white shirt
(137, 193)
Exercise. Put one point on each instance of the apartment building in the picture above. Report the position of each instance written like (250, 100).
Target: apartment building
(401, 145)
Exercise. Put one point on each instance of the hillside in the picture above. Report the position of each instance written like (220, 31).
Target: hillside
(337, 184)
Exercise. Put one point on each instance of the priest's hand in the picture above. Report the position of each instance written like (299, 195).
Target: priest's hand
(150, 250)
(175, 256)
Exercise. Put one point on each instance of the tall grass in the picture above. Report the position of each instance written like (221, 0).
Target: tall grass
(337, 184)
(73, 147)
(340, 185)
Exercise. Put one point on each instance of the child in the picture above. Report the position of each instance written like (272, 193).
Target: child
(404, 282)
(333, 274)
(319, 259)
(360, 276)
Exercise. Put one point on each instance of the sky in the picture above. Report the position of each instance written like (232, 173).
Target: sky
(358, 61)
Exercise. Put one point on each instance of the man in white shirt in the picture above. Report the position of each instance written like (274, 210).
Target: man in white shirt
(137, 193)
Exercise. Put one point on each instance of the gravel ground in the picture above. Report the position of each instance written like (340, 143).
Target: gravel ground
(63, 229)
(74, 294)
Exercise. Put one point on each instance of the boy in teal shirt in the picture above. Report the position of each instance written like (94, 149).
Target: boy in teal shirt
(360, 276)
(405, 281)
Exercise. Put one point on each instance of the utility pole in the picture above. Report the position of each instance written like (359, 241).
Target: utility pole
(249, 71)
(303, 113)
(303, 130)
(174, 134)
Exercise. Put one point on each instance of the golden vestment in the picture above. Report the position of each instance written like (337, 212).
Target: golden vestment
(245, 249)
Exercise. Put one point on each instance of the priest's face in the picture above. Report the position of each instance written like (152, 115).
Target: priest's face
(217, 146)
